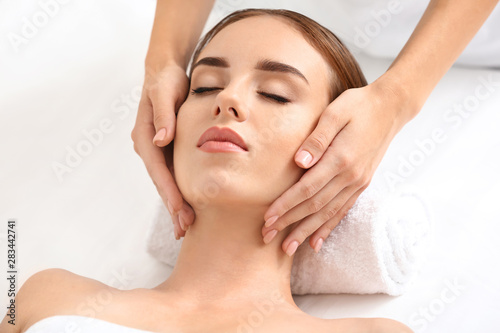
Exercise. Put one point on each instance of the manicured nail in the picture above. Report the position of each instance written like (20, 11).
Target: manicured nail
(270, 235)
(304, 158)
(292, 247)
(271, 220)
(160, 135)
(318, 245)
(170, 208)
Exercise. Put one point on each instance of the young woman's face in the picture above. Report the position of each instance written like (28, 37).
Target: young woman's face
(260, 78)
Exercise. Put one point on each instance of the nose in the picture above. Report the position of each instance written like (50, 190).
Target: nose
(230, 102)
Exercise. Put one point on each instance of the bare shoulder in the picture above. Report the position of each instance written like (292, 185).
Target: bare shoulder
(383, 325)
(47, 293)
(367, 325)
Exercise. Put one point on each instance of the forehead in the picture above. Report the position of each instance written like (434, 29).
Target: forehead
(267, 37)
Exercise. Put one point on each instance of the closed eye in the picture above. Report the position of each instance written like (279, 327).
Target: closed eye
(202, 90)
(276, 98)
(273, 97)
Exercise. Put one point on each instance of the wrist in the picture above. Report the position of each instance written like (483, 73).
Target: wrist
(156, 61)
(400, 92)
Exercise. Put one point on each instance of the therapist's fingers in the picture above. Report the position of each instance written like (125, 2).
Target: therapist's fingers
(318, 237)
(330, 123)
(156, 166)
(318, 143)
(313, 205)
(373, 117)
(307, 187)
(178, 232)
(187, 215)
(323, 222)
(154, 160)
(326, 202)
(163, 93)
(167, 90)
(306, 227)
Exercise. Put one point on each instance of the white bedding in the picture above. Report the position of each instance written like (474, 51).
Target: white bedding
(83, 70)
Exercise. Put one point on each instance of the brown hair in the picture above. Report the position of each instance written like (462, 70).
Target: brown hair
(347, 73)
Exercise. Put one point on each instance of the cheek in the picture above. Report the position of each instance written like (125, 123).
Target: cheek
(280, 139)
(183, 143)
(181, 126)
(279, 170)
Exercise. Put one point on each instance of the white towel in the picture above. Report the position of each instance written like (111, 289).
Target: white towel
(378, 247)
(80, 324)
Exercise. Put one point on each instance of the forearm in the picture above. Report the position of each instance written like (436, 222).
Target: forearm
(176, 29)
(443, 32)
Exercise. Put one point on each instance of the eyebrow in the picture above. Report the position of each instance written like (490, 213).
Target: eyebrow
(274, 66)
(264, 65)
(211, 61)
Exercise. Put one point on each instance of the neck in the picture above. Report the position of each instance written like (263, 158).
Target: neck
(223, 260)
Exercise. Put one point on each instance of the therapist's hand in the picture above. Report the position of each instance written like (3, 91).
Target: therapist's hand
(163, 92)
(343, 151)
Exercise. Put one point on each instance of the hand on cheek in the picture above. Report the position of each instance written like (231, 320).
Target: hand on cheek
(346, 147)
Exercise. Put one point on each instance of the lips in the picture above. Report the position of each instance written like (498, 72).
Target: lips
(217, 139)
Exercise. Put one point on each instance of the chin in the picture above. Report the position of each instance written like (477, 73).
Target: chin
(233, 183)
(225, 191)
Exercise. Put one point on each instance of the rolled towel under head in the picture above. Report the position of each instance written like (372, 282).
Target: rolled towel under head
(378, 247)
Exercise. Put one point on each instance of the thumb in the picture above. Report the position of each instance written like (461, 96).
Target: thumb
(164, 118)
(319, 140)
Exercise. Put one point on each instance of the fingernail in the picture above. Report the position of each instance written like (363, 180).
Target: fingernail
(271, 220)
(304, 158)
(160, 135)
(186, 213)
(181, 221)
(292, 247)
(170, 208)
(270, 235)
(318, 245)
